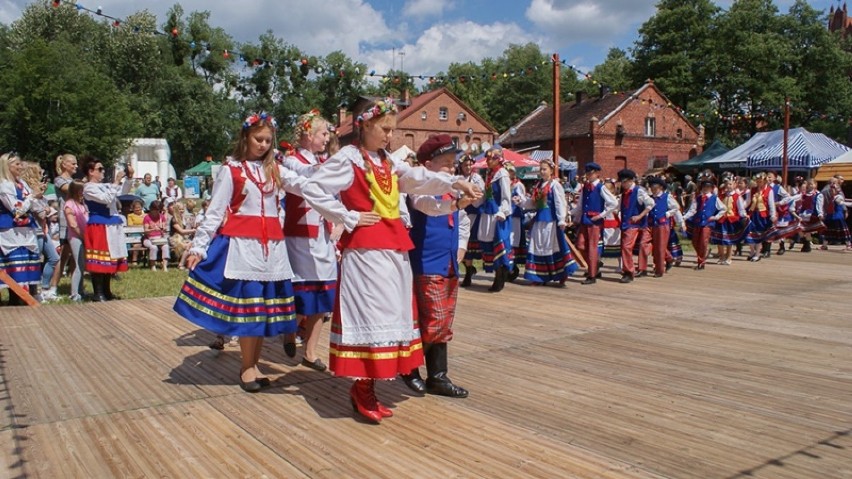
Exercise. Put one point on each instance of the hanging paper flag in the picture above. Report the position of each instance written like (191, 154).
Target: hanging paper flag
(56, 3)
(174, 32)
(225, 54)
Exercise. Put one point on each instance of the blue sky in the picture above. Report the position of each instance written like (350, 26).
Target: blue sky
(431, 33)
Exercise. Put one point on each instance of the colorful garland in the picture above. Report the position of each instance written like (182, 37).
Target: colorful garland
(260, 117)
(382, 107)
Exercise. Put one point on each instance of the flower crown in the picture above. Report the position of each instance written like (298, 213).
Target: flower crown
(260, 117)
(307, 120)
(381, 107)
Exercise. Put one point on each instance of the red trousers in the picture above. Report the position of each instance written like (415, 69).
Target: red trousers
(587, 242)
(628, 242)
(701, 241)
(659, 242)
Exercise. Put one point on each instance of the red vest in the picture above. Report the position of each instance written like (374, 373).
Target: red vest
(389, 233)
(732, 214)
(244, 226)
(295, 211)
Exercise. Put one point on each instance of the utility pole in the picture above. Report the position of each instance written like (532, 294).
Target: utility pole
(784, 159)
(556, 115)
(401, 60)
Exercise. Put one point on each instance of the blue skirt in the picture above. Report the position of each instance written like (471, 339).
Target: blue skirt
(758, 229)
(315, 297)
(674, 244)
(727, 233)
(499, 252)
(23, 265)
(555, 267)
(235, 307)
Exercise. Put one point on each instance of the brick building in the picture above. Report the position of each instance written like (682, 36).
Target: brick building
(839, 21)
(431, 113)
(621, 130)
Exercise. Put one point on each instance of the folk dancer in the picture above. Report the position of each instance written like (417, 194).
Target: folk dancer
(495, 232)
(762, 214)
(665, 210)
(733, 225)
(634, 206)
(701, 218)
(810, 209)
(373, 334)
(434, 261)
(595, 202)
(19, 253)
(787, 224)
(549, 258)
(473, 250)
(519, 230)
(834, 205)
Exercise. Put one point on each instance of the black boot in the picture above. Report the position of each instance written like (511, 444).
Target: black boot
(782, 249)
(513, 275)
(438, 382)
(98, 287)
(469, 271)
(107, 288)
(414, 381)
(766, 249)
(806, 246)
(739, 251)
(500, 275)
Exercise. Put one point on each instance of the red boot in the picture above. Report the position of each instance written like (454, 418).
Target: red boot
(363, 398)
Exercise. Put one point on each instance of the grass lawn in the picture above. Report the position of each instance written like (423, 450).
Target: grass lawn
(138, 282)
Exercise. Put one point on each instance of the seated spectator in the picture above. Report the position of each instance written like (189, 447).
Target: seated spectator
(136, 215)
(181, 235)
(148, 191)
(155, 225)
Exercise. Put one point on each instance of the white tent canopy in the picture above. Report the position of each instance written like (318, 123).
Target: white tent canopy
(737, 158)
(806, 151)
(402, 153)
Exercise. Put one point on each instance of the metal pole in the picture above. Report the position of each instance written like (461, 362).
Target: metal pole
(556, 115)
(784, 160)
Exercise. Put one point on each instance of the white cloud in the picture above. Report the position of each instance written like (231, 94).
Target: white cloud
(445, 43)
(9, 11)
(591, 21)
(426, 8)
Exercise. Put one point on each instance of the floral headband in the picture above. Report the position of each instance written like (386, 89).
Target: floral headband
(260, 117)
(308, 119)
(381, 107)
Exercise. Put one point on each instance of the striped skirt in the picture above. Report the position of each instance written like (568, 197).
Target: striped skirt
(314, 297)
(727, 233)
(235, 307)
(23, 265)
(102, 254)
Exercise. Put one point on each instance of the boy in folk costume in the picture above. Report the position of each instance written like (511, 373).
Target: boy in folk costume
(519, 231)
(659, 220)
(495, 231)
(762, 215)
(472, 212)
(372, 332)
(635, 205)
(733, 225)
(701, 218)
(595, 202)
(786, 225)
(834, 205)
(810, 210)
(434, 261)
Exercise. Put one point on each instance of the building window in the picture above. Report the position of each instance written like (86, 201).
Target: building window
(679, 133)
(409, 140)
(650, 126)
(443, 113)
(423, 115)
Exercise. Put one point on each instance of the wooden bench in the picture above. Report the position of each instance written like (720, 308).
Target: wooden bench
(133, 238)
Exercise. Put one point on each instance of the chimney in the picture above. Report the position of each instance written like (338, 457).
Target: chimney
(578, 97)
(592, 123)
(406, 98)
(341, 116)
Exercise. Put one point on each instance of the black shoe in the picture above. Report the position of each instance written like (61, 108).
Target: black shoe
(699, 267)
(658, 275)
(599, 275)
(218, 344)
(251, 387)
(806, 247)
(513, 275)
(641, 274)
(589, 281)
(316, 365)
(263, 382)
(781, 250)
(499, 279)
(626, 278)
(414, 381)
(290, 349)
(440, 385)
(669, 265)
(468, 276)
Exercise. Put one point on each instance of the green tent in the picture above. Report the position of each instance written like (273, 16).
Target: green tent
(697, 162)
(202, 169)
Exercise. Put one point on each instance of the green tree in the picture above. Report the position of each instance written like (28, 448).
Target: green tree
(54, 101)
(675, 48)
(615, 71)
(524, 80)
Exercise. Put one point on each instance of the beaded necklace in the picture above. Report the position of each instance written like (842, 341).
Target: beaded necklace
(540, 194)
(382, 175)
(262, 186)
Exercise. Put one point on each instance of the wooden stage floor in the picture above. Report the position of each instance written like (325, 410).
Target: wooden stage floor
(742, 371)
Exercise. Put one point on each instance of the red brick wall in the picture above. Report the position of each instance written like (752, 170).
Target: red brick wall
(419, 129)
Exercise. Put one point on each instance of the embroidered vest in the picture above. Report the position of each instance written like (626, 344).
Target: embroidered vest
(593, 203)
(630, 208)
(436, 243)
(657, 216)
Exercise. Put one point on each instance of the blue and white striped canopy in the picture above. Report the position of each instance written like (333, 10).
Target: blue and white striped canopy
(805, 151)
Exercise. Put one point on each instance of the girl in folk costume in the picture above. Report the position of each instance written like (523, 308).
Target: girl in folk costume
(810, 209)
(19, 254)
(787, 224)
(239, 280)
(762, 214)
(519, 231)
(836, 230)
(549, 257)
(373, 334)
(309, 241)
(701, 218)
(733, 224)
(106, 251)
(495, 233)
(473, 250)
(743, 187)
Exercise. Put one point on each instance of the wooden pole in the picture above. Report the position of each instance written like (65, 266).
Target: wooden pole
(784, 159)
(22, 292)
(556, 78)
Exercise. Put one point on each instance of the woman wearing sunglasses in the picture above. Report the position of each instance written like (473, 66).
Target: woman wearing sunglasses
(19, 255)
(106, 252)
